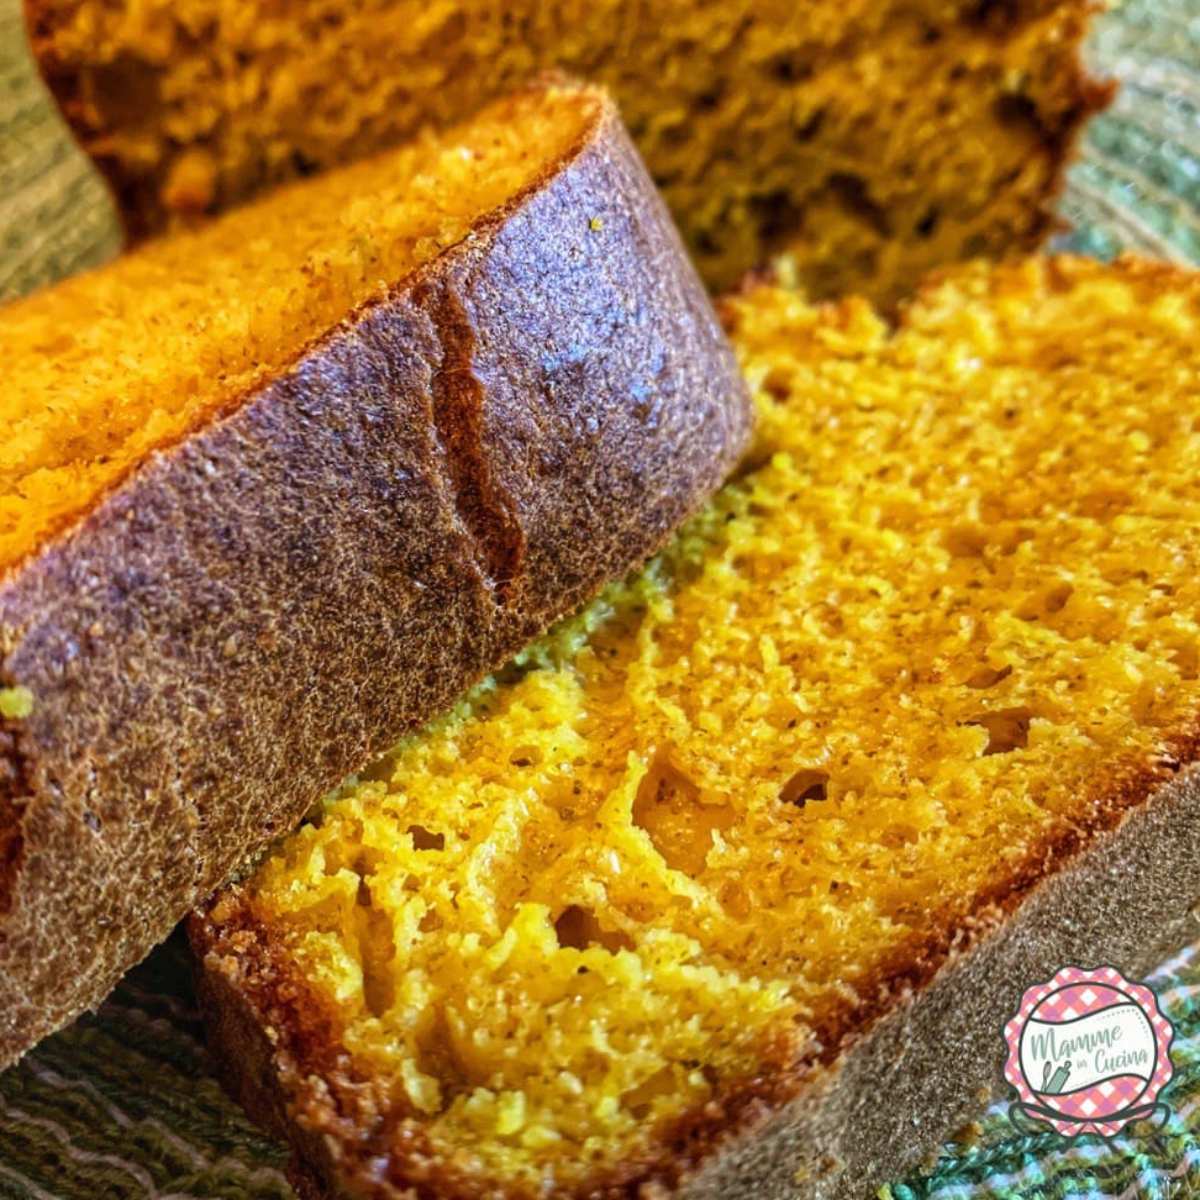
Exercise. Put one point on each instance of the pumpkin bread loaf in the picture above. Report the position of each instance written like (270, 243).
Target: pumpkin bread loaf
(872, 138)
(273, 493)
(758, 839)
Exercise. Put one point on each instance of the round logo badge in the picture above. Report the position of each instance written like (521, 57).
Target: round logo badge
(1088, 1051)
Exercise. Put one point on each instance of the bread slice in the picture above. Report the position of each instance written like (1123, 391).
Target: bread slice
(726, 887)
(274, 493)
(874, 139)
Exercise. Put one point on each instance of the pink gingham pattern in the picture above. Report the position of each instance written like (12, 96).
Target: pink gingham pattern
(1104, 1107)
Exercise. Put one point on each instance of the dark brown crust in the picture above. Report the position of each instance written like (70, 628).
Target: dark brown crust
(1089, 96)
(259, 609)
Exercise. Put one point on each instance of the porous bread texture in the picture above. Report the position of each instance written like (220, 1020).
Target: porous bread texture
(462, 453)
(103, 369)
(936, 639)
(873, 140)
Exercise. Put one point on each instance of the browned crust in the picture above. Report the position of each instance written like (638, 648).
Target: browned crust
(1089, 96)
(889, 1078)
(262, 607)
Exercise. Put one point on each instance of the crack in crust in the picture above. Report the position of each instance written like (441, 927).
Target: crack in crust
(485, 510)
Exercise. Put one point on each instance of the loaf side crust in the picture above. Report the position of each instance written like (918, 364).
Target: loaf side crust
(259, 609)
(927, 1067)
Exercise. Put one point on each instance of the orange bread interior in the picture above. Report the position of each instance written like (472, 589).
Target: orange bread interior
(871, 137)
(939, 633)
(101, 370)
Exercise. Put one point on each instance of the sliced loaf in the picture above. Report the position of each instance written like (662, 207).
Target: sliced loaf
(726, 887)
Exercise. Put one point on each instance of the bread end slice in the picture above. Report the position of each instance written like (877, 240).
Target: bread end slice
(329, 558)
(874, 1109)
(841, 172)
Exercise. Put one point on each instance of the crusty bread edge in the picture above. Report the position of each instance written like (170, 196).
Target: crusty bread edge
(923, 1070)
(262, 607)
(1093, 94)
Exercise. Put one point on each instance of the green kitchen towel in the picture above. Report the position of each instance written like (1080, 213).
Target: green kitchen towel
(121, 1105)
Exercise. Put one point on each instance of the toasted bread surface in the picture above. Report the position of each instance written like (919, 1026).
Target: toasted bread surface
(874, 140)
(870, 728)
(394, 424)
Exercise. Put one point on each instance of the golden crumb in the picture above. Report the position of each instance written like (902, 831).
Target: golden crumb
(191, 184)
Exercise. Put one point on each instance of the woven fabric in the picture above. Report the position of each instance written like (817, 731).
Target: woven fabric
(121, 1105)
(1137, 184)
(55, 214)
